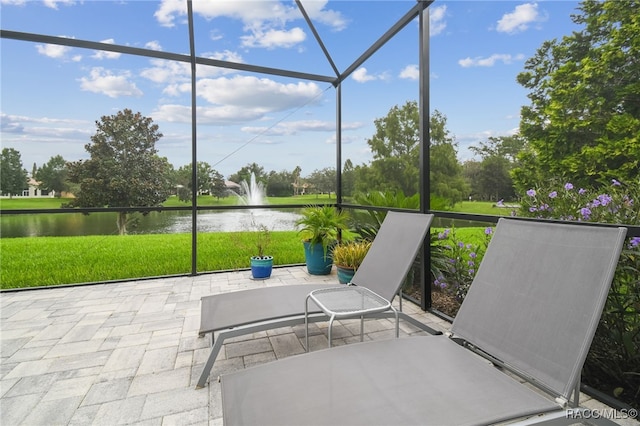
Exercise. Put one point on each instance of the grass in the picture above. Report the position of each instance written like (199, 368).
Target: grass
(173, 201)
(45, 261)
(48, 261)
(482, 207)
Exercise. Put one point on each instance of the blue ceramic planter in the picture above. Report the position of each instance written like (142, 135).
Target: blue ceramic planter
(261, 267)
(317, 262)
(345, 274)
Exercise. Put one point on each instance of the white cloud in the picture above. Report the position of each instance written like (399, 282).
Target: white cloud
(241, 99)
(105, 82)
(53, 4)
(437, 24)
(261, 94)
(264, 22)
(271, 39)
(35, 137)
(53, 50)
(153, 45)
(520, 19)
(103, 54)
(167, 71)
(171, 73)
(293, 127)
(410, 72)
(490, 61)
(13, 2)
(216, 115)
(361, 75)
(317, 12)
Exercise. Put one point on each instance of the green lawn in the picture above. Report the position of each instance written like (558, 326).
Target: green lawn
(173, 201)
(43, 261)
(482, 207)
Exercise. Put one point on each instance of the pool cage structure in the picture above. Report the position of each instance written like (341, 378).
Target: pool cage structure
(418, 10)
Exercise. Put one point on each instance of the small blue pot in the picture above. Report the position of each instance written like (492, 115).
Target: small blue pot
(261, 267)
(345, 274)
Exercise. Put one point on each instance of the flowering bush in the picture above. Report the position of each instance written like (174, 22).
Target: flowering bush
(458, 262)
(614, 204)
(612, 363)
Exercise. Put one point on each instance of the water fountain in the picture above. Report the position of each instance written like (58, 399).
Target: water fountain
(253, 193)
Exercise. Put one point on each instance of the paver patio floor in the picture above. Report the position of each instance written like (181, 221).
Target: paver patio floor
(129, 353)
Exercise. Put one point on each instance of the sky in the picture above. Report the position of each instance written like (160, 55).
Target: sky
(51, 96)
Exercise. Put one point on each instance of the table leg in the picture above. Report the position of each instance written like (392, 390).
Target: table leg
(331, 327)
(306, 324)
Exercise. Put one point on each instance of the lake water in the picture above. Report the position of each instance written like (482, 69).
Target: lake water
(167, 222)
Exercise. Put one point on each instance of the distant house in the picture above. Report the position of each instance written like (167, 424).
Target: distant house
(34, 190)
(232, 185)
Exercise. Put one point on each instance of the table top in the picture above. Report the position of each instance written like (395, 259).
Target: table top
(349, 300)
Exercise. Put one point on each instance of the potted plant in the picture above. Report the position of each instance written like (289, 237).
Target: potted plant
(319, 230)
(348, 257)
(261, 264)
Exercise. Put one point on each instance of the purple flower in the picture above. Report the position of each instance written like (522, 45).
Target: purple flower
(471, 263)
(473, 255)
(460, 244)
(582, 191)
(615, 182)
(568, 186)
(443, 235)
(585, 212)
(488, 231)
(500, 203)
(531, 193)
(604, 199)
(635, 242)
(533, 209)
(553, 194)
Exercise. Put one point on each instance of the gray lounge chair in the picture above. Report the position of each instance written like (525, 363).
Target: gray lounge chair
(383, 270)
(533, 306)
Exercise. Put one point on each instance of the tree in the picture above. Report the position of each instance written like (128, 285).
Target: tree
(53, 175)
(348, 179)
(396, 152)
(124, 169)
(491, 179)
(280, 184)
(584, 118)
(323, 181)
(507, 147)
(445, 171)
(245, 174)
(204, 177)
(296, 180)
(13, 177)
(218, 185)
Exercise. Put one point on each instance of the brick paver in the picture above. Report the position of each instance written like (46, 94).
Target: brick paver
(129, 353)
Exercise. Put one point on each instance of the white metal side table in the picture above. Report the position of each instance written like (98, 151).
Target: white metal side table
(346, 302)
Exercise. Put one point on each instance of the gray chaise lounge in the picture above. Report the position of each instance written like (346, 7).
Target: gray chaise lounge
(533, 306)
(383, 270)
